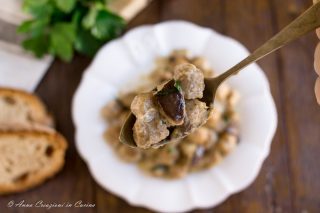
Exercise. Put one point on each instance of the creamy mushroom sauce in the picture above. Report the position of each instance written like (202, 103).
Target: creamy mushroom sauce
(202, 149)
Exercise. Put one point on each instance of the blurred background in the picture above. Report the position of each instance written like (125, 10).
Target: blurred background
(289, 179)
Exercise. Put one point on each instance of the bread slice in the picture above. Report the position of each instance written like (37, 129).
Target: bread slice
(19, 108)
(28, 158)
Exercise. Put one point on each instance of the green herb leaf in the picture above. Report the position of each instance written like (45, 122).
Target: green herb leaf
(62, 38)
(76, 18)
(65, 5)
(38, 8)
(66, 30)
(90, 19)
(107, 25)
(38, 45)
(177, 85)
(61, 47)
(86, 43)
(60, 26)
(169, 88)
(33, 27)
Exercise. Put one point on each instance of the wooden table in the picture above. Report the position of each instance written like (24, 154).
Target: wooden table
(290, 178)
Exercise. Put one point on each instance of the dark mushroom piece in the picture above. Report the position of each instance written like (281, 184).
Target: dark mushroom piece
(175, 101)
(171, 103)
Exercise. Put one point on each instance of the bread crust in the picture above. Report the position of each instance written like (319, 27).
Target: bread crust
(40, 117)
(54, 139)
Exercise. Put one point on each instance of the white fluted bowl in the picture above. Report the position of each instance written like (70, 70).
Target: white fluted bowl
(119, 65)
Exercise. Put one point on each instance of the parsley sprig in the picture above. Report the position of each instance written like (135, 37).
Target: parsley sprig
(61, 27)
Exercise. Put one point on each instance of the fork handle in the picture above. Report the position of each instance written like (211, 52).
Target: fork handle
(306, 22)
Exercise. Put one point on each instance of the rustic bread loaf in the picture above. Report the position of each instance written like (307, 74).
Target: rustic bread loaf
(19, 108)
(28, 158)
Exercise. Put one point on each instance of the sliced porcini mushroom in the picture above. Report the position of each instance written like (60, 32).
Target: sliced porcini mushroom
(171, 102)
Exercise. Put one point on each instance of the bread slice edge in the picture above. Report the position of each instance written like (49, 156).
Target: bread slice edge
(43, 118)
(36, 179)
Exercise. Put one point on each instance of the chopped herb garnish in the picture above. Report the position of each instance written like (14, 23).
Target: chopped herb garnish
(177, 85)
(168, 89)
(172, 103)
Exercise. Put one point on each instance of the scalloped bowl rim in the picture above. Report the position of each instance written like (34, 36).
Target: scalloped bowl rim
(76, 106)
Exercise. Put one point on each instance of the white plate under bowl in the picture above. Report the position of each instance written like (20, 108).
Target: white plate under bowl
(119, 66)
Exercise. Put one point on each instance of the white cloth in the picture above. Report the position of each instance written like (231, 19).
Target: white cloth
(10, 11)
(18, 69)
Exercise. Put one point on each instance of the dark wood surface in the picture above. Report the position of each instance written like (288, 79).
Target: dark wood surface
(290, 177)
